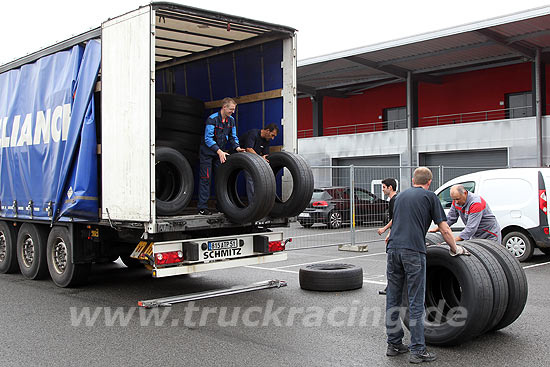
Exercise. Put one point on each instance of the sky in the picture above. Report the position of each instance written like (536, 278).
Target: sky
(324, 27)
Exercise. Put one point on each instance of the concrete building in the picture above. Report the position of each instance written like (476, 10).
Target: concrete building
(475, 95)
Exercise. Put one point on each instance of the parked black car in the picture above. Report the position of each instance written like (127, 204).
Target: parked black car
(331, 206)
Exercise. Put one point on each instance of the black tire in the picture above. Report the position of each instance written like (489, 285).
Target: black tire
(434, 238)
(227, 196)
(181, 104)
(192, 156)
(31, 251)
(186, 141)
(334, 220)
(63, 271)
(453, 282)
(181, 122)
(305, 224)
(130, 262)
(498, 279)
(302, 184)
(516, 278)
(520, 245)
(331, 277)
(8, 248)
(174, 181)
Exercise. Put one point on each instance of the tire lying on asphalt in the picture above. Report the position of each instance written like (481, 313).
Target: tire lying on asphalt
(174, 181)
(227, 195)
(8, 248)
(331, 277)
(302, 184)
(459, 297)
(516, 278)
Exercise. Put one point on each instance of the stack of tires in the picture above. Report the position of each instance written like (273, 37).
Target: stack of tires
(467, 296)
(180, 126)
(266, 202)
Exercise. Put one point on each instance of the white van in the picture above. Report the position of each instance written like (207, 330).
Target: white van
(517, 197)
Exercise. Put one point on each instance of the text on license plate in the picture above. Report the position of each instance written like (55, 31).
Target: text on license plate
(304, 215)
(222, 245)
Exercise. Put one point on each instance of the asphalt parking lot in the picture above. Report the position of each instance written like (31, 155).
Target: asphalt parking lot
(99, 325)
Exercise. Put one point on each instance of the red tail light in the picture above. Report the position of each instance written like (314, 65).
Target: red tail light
(543, 203)
(546, 231)
(163, 258)
(275, 246)
(320, 204)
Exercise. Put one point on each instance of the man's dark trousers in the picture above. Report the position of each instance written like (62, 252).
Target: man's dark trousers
(209, 162)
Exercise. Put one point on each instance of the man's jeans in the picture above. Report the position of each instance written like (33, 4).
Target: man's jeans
(406, 269)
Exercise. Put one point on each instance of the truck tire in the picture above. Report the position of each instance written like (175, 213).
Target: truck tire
(187, 141)
(180, 103)
(174, 182)
(516, 278)
(8, 248)
(453, 282)
(181, 122)
(227, 196)
(498, 280)
(331, 277)
(302, 184)
(520, 245)
(63, 271)
(191, 155)
(31, 251)
(434, 238)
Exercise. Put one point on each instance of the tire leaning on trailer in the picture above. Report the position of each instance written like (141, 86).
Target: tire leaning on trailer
(176, 191)
(63, 271)
(302, 184)
(8, 248)
(227, 195)
(31, 251)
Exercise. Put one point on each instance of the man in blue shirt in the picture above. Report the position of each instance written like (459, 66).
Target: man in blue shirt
(256, 141)
(220, 129)
(414, 210)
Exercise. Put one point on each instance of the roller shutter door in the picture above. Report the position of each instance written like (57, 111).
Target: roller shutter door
(367, 169)
(456, 163)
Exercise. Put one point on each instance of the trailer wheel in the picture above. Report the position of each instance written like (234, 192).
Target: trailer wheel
(175, 192)
(302, 184)
(226, 188)
(8, 249)
(63, 271)
(331, 277)
(31, 251)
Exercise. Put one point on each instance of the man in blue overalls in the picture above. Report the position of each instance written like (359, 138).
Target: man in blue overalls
(220, 129)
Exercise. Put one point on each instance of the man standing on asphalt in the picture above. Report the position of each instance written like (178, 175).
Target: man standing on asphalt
(474, 211)
(257, 141)
(220, 129)
(389, 188)
(414, 210)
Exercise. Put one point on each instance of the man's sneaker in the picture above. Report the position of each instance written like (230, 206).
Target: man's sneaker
(425, 356)
(205, 212)
(394, 350)
(383, 292)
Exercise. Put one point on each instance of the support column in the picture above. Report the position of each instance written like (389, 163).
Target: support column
(317, 104)
(412, 114)
(538, 107)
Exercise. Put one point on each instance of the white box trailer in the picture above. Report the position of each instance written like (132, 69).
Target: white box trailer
(158, 48)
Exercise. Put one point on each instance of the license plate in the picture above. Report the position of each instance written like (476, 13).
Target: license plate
(223, 245)
(304, 215)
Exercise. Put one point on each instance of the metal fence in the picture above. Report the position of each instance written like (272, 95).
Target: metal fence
(335, 217)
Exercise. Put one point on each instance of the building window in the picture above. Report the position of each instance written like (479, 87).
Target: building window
(519, 105)
(395, 118)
